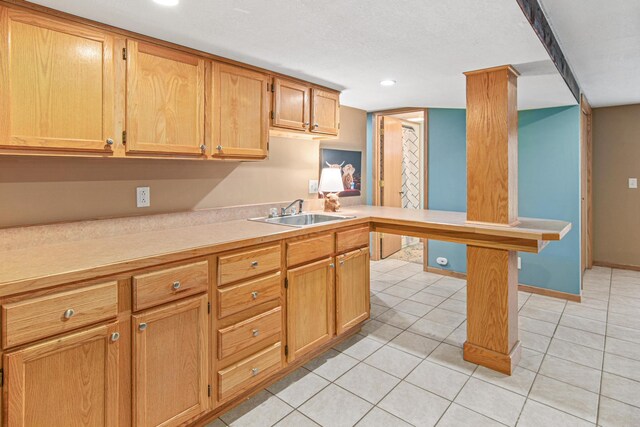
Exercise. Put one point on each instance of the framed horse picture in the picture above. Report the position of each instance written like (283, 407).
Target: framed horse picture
(350, 165)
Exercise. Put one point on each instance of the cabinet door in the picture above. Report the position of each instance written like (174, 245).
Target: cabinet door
(290, 105)
(310, 307)
(56, 84)
(68, 381)
(352, 289)
(325, 111)
(165, 100)
(241, 107)
(170, 370)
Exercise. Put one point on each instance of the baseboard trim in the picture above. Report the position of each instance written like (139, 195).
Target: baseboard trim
(613, 265)
(523, 288)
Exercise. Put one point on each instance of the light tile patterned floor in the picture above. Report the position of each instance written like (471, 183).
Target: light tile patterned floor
(580, 363)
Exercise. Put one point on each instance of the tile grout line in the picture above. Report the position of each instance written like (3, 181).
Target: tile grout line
(604, 351)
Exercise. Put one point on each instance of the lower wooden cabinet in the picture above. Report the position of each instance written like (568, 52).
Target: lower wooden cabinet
(310, 307)
(170, 367)
(67, 381)
(352, 289)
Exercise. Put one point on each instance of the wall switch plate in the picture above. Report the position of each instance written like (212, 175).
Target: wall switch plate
(143, 197)
(519, 263)
(313, 186)
(633, 182)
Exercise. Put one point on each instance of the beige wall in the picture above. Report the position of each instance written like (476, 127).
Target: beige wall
(46, 190)
(616, 208)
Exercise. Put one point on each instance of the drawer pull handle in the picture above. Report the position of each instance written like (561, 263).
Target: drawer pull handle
(115, 336)
(176, 285)
(68, 314)
(254, 264)
(255, 332)
(255, 371)
(254, 295)
(142, 326)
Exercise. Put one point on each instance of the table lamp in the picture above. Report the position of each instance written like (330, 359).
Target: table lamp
(331, 182)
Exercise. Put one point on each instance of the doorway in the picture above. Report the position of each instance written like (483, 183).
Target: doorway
(400, 176)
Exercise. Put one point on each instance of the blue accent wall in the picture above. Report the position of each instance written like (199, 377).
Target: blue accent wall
(548, 181)
(447, 167)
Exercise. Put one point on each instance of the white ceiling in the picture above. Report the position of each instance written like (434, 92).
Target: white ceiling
(351, 45)
(601, 42)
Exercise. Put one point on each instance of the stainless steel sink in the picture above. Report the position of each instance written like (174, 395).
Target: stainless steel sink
(302, 220)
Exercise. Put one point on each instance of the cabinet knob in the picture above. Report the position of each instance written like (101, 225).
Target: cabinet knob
(115, 336)
(176, 285)
(255, 332)
(255, 371)
(332, 265)
(203, 147)
(219, 148)
(142, 326)
(68, 314)
(341, 262)
(315, 125)
(254, 295)
(305, 124)
(254, 264)
(109, 141)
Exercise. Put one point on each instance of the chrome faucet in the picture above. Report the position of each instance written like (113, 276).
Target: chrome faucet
(283, 211)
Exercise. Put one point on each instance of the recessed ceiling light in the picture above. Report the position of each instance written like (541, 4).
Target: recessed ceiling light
(387, 82)
(167, 2)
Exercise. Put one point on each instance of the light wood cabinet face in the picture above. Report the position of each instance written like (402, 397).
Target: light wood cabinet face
(352, 289)
(291, 104)
(325, 111)
(170, 363)
(56, 84)
(165, 100)
(241, 104)
(310, 307)
(70, 381)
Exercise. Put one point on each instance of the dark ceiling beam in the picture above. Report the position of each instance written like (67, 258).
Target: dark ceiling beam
(534, 14)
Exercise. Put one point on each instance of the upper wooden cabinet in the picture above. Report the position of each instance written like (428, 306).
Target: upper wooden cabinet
(165, 100)
(67, 381)
(240, 112)
(299, 107)
(56, 84)
(325, 111)
(291, 104)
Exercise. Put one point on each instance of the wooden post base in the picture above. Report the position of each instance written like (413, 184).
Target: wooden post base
(504, 363)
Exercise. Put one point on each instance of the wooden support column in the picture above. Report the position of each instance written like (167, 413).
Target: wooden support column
(492, 198)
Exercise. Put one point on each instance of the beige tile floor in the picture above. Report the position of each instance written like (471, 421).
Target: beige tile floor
(580, 363)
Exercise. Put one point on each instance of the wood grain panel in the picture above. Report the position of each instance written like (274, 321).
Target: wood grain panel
(57, 83)
(165, 100)
(325, 111)
(246, 295)
(159, 287)
(492, 146)
(240, 112)
(391, 178)
(310, 307)
(170, 374)
(42, 317)
(69, 381)
(249, 332)
(239, 377)
(352, 239)
(352, 289)
(309, 249)
(248, 263)
(290, 104)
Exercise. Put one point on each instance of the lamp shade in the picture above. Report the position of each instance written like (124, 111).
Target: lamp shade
(331, 181)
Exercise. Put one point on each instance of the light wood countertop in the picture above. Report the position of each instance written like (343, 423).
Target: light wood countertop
(54, 264)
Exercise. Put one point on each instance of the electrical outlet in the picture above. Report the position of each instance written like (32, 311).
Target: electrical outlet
(519, 263)
(633, 183)
(313, 186)
(143, 197)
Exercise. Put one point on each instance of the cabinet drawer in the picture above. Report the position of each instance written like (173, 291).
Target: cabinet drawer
(246, 264)
(313, 248)
(240, 297)
(249, 332)
(352, 239)
(158, 287)
(254, 368)
(49, 315)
